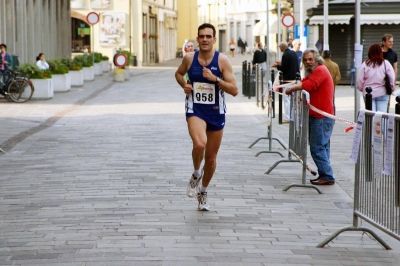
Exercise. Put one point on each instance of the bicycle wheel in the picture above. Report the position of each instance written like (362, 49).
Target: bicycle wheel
(20, 90)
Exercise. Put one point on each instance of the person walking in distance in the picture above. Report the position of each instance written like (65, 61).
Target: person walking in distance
(319, 84)
(260, 57)
(189, 47)
(333, 70)
(5, 62)
(372, 74)
(390, 55)
(289, 66)
(296, 48)
(210, 77)
(232, 47)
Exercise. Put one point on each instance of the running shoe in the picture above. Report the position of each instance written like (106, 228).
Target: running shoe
(192, 185)
(203, 204)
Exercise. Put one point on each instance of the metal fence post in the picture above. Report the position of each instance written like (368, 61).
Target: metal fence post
(244, 64)
(368, 98)
(273, 94)
(280, 98)
(249, 80)
(257, 85)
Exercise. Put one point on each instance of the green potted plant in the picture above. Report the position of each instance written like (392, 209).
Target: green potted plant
(61, 76)
(98, 69)
(75, 71)
(105, 63)
(41, 79)
(87, 66)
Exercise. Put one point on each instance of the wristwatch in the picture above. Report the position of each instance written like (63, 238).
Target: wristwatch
(218, 80)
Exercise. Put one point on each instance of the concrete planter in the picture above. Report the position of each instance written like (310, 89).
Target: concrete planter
(98, 69)
(43, 89)
(127, 74)
(61, 82)
(88, 73)
(76, 78)
(119, 74)
(105, 66)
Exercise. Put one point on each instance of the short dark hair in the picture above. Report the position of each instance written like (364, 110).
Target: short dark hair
(3, 45)
(326, 54)
(206, 25)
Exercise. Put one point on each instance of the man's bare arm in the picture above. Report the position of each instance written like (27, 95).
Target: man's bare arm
(228, 84)
(395, 73)
(182, 70)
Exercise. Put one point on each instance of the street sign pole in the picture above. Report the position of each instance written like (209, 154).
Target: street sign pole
(326, 26)
(357, 39)
(92, 18)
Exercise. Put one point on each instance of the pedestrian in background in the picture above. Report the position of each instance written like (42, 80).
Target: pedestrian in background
(41, 62)
(289, 66)
(240, 43)
(318, 83)
(232, 47)
(189, 47)
(372, 74)
(296, 48)
(333, 70)
(388, 53)
(260, 57)
(5, 62)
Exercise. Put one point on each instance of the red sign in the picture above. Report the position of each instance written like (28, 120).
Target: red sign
(288, 20)
(92, 18)
(120, 60)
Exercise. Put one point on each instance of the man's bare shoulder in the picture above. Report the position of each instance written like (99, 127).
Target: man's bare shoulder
(223, 61)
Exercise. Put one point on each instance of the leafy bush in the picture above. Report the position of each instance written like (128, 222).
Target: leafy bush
(32, 71)
(104, 58)
(97, 57)
(72, 65)
(57, 67)
(128, 56)
(83, 60)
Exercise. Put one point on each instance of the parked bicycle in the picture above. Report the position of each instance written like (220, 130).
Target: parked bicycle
(15, 88)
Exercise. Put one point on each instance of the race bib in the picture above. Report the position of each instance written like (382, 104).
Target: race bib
(204, 93)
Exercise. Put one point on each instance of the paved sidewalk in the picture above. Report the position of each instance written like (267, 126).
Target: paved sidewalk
(97, 176)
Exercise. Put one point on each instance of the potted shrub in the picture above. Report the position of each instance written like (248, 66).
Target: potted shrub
(87, 66)
(98, 68)
(105, 63)
(41, 80)
(61, 77)
(75, 71)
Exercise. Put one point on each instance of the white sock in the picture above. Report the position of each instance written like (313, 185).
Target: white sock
(202, 189)
(197, 173)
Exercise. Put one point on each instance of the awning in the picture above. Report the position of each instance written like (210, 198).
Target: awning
(332, 19)
(261, 28)
(379, 19)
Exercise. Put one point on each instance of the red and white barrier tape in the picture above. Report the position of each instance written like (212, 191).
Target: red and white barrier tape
(320, 111)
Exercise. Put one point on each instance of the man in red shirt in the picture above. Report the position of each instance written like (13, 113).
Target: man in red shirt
(319, 84)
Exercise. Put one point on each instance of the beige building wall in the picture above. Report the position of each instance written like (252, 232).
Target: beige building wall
(150, 30)
(188, 21)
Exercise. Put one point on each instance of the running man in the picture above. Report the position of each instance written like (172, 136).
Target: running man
(210, 76)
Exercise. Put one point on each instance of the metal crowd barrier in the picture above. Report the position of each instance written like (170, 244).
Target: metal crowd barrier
(377, 175)
(298, 138)
(260, 97)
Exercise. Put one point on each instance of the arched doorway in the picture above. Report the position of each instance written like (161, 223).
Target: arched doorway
(80, 33)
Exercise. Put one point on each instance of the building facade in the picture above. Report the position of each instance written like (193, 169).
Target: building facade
(147, 29)
(36, 26)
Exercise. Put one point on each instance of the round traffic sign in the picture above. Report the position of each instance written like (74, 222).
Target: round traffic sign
(120, 60)
(92, 18)
(288, 20)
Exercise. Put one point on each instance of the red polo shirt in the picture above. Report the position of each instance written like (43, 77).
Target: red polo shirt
(321, 89)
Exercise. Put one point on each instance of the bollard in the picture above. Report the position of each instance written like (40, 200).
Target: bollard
(273, 94)
(249, 80)
(397, 108)
(244, 64)
(280, 97)
(262, 90)
(134, 61)
(256, 85)
(368, 98)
